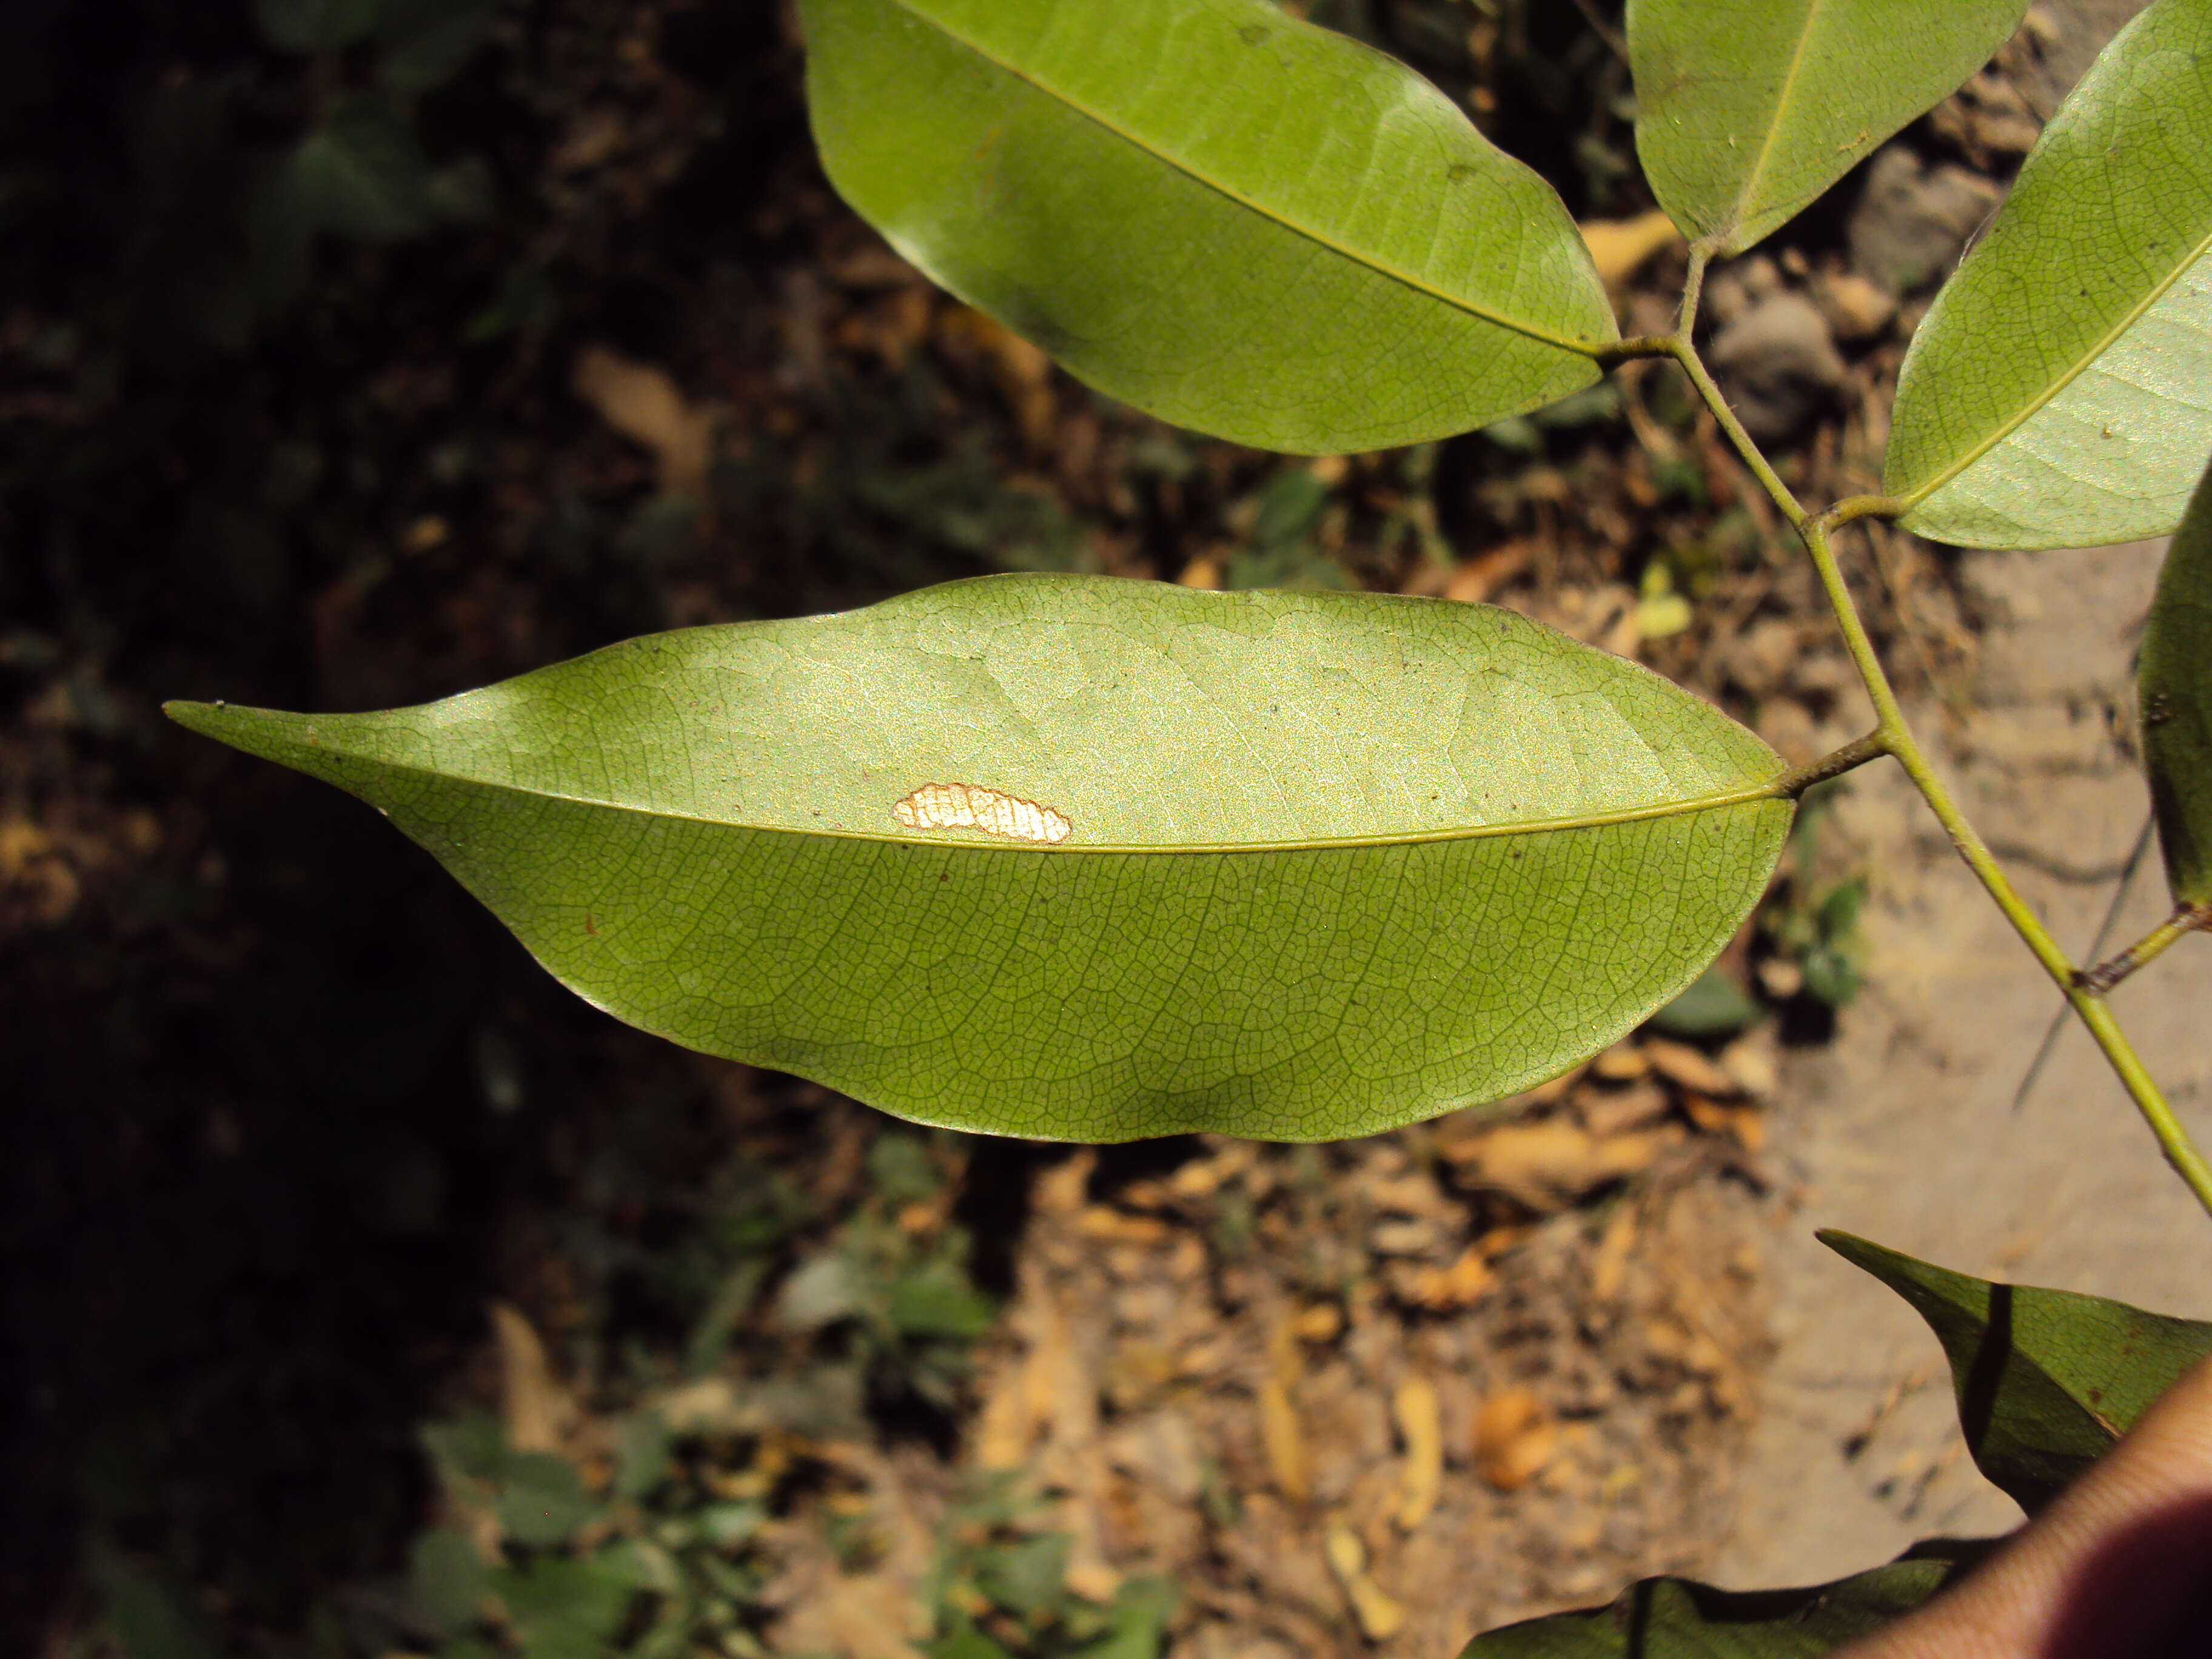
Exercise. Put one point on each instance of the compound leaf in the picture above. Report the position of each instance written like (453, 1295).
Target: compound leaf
(1748, 109)
(1296, 865)
(2046, 1380)
(1678, 1619)
(2174, 681)
(2059, 392)
(1226, 217)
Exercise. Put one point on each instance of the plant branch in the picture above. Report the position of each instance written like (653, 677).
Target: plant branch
(1897, 737)
(2185, 919)
(1795, 782)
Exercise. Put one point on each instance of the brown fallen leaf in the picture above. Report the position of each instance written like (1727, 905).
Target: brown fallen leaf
(1421, 1427)
(1679, 1063)
(1282, 1432)
(1380, 1617)
(1515, 1437)
(535, 1410)
(1619, 247)
(1609, 1261)
(1549, 1164)
(642, 403)
(1462, 1284)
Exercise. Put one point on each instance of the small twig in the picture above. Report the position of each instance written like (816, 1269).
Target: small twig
(1851, 756)
(2126, 872)
(1605, 31)
(2185, 919)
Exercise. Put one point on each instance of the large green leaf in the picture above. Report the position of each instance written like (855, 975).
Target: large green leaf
(1677, 1619)
(1331, 861)
(1222, 215)
(2059, 393)
(2046, 1380)
(1748, 109)
(2173, 678)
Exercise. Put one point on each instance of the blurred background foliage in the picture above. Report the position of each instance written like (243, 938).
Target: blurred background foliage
(353, 352)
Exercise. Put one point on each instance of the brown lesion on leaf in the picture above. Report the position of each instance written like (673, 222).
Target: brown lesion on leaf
(970, 806)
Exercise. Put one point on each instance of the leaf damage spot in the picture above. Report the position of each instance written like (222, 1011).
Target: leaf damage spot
(970, 807)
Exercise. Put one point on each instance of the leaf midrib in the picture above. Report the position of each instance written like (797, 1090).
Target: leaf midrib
(1498, 319)
(2088, 361)
(1771, 790)
(1766, 156)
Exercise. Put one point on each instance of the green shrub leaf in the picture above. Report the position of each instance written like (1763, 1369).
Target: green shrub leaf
(2046, 1380)
(2059, 393)
(424, 43)
(315, 24)
(1746, 112)
(361, 174)
(1663, 1617)
(2173, 678)
(1222, 215)
(1297, 865)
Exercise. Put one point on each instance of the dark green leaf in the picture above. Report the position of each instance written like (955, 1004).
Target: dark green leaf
(936, 1299)
(425, 42)
(2046, 1380)
(1714, 1005)
(1747, 112)
(542, 1498)
(1331, 861)
(1226, 217)
(1141, 1610)
(1676, 1619)
(150, 1617)
(445, 1581)
(2174, 681)
(361, 174)
(645, 1450)
(315, 24)
(1027, 1578)
(565, 1608)
(2059, 393)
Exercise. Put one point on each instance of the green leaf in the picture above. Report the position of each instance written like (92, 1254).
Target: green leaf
(315, 24)
(565, 1608)
(446, 1580)
(149, 1616)
(1141, 1610)
(424, 43)
(2046, 1380)
(2174, 682)
(361, 174)
(1676, 1619)
(2059, 393)
(1747, 112)
(1226, 217)
(542, 1498)
(1714, 1006)
(1331, 862)
(936, 1299)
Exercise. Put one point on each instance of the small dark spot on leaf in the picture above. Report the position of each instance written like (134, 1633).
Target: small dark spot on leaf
(1459, 173)
(1253, 34)
(592, 925)
(941, 877)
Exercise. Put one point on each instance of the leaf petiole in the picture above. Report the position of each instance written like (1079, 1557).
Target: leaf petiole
(2185, 919)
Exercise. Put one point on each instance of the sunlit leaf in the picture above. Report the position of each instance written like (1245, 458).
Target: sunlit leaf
(2046, 1380)
(2173, 680)
(1748, 109)
(1080, 858)
(1676, 1619)
(2059, 393)
(1222, 215)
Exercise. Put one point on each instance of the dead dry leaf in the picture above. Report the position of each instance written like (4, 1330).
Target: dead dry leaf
(1380, 1617)
(1679, 1063)
(1462, 1284)
(1549, 1164)
(643, 404)
(1620, 247)
(1515, 1437)
(1420, 1426)
(535, 1410)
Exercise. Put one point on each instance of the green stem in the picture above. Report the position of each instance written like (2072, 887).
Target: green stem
(2185, 919)
(1895, 737)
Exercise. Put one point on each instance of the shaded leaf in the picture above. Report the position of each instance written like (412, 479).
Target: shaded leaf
(542, 1498)
(1141, 1610)
(936, 1299)
(1226, 217)
(445, 1581)
(2059, 392)
(315, 24)
(565, 1608)
(1676, 1619)
(424, 43)
(1303, 865)
(1747, 112)
(150, 1617)
(2046, 1380)
(2174, 681)
(361, 174)
(1714, 1006)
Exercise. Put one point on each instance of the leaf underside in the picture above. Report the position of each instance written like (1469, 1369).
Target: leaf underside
(1676, 1619)
(2059, 392)
(2173, 680)
(2046, 1380)
(1230, 218)
(1748, 109)
(1335, 861)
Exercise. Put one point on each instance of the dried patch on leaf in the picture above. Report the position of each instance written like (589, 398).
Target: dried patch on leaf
(967, 806)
